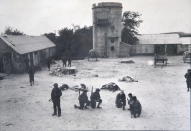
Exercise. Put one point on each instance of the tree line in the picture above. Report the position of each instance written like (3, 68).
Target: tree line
(77, 43)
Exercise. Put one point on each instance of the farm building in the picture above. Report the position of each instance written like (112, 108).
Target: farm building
(186, 44)
(19, 52)
(107, 29)
(148, 44)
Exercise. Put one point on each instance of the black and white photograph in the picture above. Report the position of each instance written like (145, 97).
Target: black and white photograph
(95, 65)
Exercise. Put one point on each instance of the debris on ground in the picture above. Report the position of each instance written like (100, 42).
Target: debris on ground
(127, 79)
(22, 87)
(128, 62)
(3, 75)
(64, 87)
(111, 87)
(96, 75)
(9, 124)
(61, 71)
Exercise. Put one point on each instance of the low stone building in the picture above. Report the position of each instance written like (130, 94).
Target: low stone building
(19, 52)
(155, 43)
(107, 29)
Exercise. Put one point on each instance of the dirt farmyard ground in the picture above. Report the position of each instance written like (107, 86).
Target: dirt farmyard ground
(161, 91)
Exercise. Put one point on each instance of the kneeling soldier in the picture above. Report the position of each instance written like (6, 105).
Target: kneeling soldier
(95, 97)
(83, 101)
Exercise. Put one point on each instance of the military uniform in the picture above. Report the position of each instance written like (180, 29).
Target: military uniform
(83, 100)
(123, 100)
(136, 108)
(31, 75)
(55, 96)
(188, 79)
(95, 97)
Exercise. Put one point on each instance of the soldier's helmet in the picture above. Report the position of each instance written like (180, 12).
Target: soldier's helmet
(130, 95)
(97, 90)
(55, 84)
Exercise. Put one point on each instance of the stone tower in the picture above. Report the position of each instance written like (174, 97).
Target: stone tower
(107, 28)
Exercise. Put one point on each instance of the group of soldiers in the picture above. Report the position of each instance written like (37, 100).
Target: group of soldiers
(65, 60)
(134, 104)
(95, 101)
(84, 102)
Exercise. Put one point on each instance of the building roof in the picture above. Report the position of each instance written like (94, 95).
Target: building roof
(185, 40)
(23, 44)
(159, 39)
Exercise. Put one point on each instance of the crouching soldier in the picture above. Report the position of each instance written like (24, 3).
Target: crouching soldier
(121, 100)
(130, 100)
(188, 79)
(83, 101)
(135, 108)
(118, 101)
(55, 97)
(95, 97)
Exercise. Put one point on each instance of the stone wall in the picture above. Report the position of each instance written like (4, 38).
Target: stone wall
(107, 28)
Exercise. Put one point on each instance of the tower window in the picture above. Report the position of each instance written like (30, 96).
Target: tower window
(112, 40)
(112, 48)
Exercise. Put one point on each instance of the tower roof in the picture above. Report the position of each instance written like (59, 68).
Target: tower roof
(107, 4)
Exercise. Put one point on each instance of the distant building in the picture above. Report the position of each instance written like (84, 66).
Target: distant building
(107, 27)
(19, 52)
(170, 44)
(156, 43)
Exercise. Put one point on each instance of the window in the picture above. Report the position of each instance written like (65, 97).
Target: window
(112, 48)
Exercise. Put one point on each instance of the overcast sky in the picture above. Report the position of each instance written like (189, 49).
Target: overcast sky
(35, 17)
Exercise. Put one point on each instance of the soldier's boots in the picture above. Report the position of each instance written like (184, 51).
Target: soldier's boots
(54, 114)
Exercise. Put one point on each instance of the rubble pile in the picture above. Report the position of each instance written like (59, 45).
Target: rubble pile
(61, 71)
(128, 62)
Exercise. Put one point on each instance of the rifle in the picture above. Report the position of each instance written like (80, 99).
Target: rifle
(92, 92)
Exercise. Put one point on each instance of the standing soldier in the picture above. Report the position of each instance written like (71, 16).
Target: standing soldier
(95, 97)
(48, 63)
(69, 62)
(55, 97)
(31, 75)
(64, 60)
(188, 79)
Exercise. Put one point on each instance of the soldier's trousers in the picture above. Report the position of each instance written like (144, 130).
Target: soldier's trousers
(56, 106)
(99, 102)
(84, 104)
